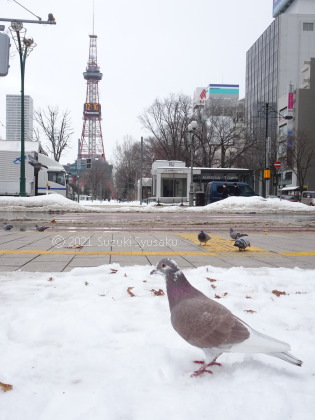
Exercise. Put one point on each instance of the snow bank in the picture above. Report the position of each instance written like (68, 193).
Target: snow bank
(56, 202)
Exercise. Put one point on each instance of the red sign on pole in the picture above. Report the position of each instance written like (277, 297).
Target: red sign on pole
(290, 101)
(277, 165)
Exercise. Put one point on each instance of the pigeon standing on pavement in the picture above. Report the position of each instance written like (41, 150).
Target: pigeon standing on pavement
(242, 243)
(203, 237)
(41, 228)
(7, 226)
(236, 235)
(210, 326)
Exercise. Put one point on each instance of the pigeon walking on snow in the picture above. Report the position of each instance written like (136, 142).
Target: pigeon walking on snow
(41, 228)
(242, 243)
(210, 326)
(236, 235)
(7, 226)
(203, 237)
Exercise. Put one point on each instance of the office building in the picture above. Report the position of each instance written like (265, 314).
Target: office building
(274, 62)
(273, 66)
(13, 117)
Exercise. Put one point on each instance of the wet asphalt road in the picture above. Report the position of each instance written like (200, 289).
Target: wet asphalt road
(162, 221)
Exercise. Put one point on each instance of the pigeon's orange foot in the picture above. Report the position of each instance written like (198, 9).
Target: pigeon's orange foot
(201, 371)
(203, 368)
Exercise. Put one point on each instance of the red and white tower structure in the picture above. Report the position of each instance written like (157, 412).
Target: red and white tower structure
(91, 143)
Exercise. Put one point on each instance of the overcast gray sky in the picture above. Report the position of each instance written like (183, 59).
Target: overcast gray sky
(146, 49)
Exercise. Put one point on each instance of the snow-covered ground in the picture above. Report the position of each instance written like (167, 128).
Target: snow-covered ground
(55, 202)
(79, 345)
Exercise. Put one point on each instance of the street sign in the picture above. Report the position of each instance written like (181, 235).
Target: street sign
(277, 165)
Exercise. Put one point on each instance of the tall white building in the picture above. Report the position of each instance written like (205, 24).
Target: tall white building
(13, 117)
(274, 62)
(273, 70)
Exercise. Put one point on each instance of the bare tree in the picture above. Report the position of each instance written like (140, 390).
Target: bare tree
(127, 168)
(300, 156)
(226, 139)
(56, 127)
(167, 120)
(97, 179)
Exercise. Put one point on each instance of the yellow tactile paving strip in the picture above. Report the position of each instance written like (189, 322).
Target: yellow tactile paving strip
(220, 245)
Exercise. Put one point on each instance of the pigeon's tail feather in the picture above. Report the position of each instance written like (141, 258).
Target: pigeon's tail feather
(287, 357)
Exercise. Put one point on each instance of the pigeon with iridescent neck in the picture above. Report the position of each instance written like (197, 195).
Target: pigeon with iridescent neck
(7, 226)
(236, 235)
(203, 237)
(41, 228)
(210, 326)
(242, 243)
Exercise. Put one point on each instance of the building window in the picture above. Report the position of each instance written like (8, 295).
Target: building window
(174, 187)
(308, 26)
(57, 177)
(283, 130)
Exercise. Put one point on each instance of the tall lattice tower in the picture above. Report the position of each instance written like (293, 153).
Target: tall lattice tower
(91, 143)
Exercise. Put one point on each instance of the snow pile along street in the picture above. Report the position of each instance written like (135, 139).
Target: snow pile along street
(56, 202)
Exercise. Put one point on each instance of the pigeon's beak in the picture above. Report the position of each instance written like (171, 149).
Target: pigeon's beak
(154, 272)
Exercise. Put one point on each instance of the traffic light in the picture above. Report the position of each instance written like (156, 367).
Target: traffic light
(4, 54)
(88, 163)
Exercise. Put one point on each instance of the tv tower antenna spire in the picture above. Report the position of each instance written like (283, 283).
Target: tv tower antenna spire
(91, 143)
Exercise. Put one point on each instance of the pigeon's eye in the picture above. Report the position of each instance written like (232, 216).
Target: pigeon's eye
(163, 265)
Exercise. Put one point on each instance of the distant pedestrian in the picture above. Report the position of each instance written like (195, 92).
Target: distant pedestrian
(225, 190)
(236, 189)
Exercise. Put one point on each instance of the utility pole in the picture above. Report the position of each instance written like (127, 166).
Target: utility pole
(24, 49)
(266, 143)
(141, 168)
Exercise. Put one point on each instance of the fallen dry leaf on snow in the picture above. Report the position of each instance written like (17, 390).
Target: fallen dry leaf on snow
(6, 387)
(250, 311)
(130, 292)
(159, 292)
(278, 293)
(211, 280)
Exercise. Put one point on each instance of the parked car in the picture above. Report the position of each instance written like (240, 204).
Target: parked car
(308, 198)
(291, 198)
(218, 190)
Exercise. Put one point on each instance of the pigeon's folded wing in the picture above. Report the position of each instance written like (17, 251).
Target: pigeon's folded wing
(206, 324)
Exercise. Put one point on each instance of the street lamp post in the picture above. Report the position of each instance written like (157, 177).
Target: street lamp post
(191, 129)
(23, 50)
(267, 110)
(264, 185)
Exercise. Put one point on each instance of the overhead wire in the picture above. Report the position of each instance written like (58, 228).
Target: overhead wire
(27, 9)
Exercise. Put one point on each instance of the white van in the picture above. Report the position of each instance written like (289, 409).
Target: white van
(308, 198)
